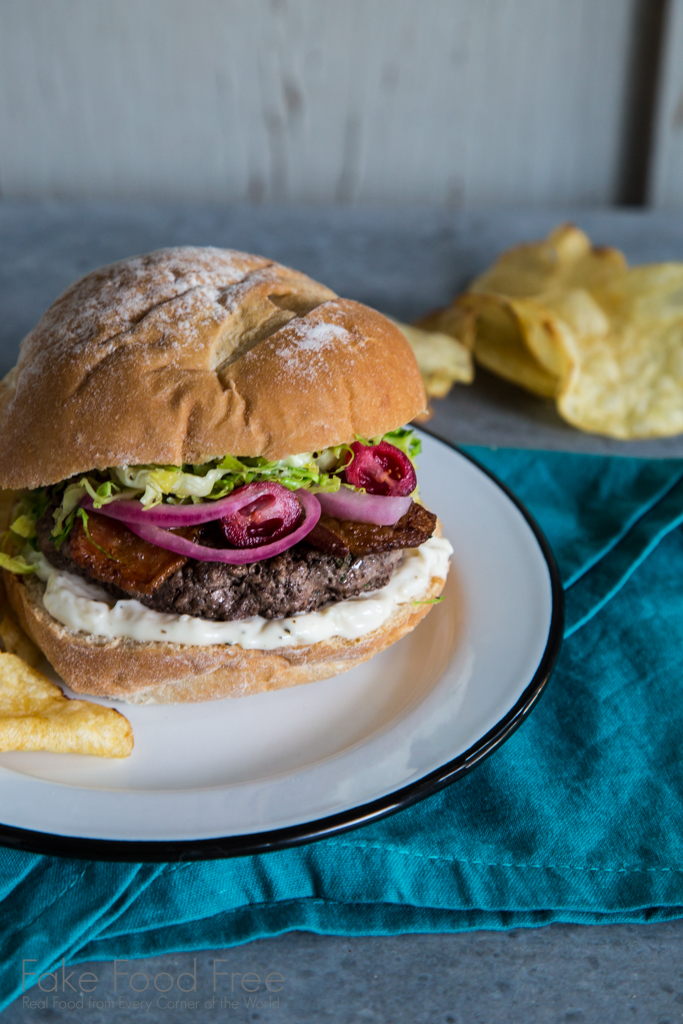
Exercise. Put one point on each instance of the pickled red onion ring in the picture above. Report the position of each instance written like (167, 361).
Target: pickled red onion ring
(129, 510)
(379, 509)
(233, 556)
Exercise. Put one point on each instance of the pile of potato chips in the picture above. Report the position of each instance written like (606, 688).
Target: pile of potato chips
(573, 322)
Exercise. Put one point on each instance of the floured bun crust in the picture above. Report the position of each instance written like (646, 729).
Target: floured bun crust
(167, 673)
(190, 353)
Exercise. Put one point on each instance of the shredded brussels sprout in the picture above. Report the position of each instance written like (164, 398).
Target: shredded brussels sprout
(24, 526)
(153, 484)
(406, 439)
(17, 565)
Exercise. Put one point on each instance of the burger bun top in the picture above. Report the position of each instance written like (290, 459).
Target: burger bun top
(190, 353)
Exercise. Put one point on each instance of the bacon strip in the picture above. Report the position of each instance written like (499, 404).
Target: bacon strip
(348, 538)
(138, 567)
(135, 565)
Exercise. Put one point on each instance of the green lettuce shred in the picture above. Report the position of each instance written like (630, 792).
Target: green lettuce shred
(17, 564)
(318, 472)
(24, 526)
(100, 495)
(28, 509)
(407, 440)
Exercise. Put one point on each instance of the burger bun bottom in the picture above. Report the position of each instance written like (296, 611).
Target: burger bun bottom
(166, 673)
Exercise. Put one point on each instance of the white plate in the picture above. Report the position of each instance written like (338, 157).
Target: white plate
(274, 769)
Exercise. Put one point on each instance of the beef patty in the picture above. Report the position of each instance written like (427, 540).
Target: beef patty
(300, 579)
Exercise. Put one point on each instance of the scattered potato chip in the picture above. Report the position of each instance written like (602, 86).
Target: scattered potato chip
(15, 641)
(565, 259)
(35, 715)
(628, 381)
(573, 322)
(443, 358)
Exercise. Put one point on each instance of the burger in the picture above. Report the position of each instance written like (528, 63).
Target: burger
(215, 486)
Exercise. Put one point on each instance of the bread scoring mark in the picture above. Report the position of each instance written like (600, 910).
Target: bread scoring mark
(168, 322)
(251, 317)
(258, 307)
(114, 299)
(183, 308)
(149, 301)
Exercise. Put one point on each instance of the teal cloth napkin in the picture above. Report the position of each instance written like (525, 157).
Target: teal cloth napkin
(578, 817)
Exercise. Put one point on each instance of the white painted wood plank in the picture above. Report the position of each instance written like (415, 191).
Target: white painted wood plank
(454, 102)
(667, 163)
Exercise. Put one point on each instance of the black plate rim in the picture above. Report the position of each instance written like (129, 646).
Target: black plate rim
(155, 851)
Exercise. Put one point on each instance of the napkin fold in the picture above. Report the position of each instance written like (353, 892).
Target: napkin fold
(577, 818)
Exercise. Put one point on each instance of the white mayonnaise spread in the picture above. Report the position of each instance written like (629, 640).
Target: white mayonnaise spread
(85, 607)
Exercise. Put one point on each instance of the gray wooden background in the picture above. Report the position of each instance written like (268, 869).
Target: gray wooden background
(446, 102)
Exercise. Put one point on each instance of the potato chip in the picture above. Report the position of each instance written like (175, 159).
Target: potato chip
(443, 358)
(628, 381)
(501, 341)
(35, 715)
(571, 321)
(564, 260)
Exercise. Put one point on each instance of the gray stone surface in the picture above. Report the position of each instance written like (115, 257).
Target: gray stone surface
(563, 974)
(494, 413)
(403, 263)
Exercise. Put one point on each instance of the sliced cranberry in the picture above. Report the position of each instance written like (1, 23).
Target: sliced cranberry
(381, 469)
(269, 512)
